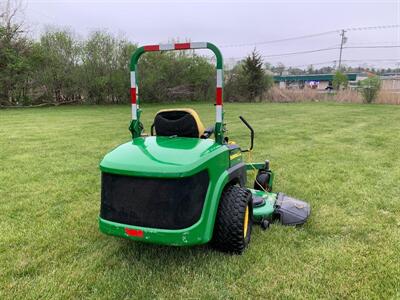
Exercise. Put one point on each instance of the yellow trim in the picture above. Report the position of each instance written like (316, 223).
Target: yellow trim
(236, 155)
(194, 114)
(246, 221)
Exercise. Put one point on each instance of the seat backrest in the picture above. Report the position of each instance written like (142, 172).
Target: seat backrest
(182, 122)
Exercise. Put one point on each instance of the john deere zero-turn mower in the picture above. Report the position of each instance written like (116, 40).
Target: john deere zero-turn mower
(184, 184)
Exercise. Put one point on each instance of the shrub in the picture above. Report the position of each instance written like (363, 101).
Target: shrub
(340, 81)
(369, 88)
(247, 81)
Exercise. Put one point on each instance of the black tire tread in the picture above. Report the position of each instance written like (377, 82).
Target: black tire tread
(228, 228)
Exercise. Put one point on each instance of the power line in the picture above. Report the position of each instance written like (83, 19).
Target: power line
(333, 62)
(280, 40)
(379, 27)
(372, 43)
(314, 64)
(372, 59)
(372, 47)
(353, 60)
(328, 49)
(301, 52)
(290, 53)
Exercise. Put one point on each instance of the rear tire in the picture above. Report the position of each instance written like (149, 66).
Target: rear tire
(234, 220)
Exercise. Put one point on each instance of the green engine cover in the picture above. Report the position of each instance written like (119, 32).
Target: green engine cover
(168, 157)
(171, 157)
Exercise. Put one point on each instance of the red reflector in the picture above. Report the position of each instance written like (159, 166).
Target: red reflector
(133, 95)
(182, 46)
(152, 48)
(219, 96)
(134, 232)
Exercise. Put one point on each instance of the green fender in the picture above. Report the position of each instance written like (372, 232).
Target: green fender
(213, 205)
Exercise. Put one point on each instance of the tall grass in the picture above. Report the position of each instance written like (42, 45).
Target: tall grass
(346, 96)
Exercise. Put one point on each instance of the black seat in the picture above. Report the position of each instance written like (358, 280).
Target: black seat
(178, 122)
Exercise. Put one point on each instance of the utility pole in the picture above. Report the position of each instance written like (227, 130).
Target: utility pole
(344, 39)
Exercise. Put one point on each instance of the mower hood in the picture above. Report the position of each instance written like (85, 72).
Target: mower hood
(161, 156)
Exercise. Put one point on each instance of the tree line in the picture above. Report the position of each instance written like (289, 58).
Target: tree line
(60, 68)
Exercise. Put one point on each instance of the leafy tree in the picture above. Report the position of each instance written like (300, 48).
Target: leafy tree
(235, 84)
(340, 81)
(15, 57)
(254, 73)
(268, 82)
(268, 66)
(59, 74)
(120, 78)
(310, 69)
(324, 70)
(279, 68)
(295, 71)
(106, 68)
(247, 81)
(370, 88)
(175, 76)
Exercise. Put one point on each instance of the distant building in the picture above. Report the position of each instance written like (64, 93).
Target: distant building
(391, 82)
(313, 81)
(321, 82)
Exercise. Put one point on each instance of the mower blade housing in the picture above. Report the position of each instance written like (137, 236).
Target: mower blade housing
(291, 211)
(263, 205)
(270, 206)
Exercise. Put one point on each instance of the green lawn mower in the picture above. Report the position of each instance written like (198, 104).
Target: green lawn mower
(183, 184)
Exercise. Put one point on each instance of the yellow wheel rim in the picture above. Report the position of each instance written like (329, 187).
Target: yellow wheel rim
(246, 221)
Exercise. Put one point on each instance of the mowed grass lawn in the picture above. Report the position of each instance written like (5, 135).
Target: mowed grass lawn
(343, 159)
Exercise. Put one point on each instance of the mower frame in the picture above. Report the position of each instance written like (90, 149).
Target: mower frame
(136, 126)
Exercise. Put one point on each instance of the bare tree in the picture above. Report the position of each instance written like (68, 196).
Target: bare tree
(9, 11)
(14, 47)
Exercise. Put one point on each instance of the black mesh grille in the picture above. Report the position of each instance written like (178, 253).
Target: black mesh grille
(153, 202)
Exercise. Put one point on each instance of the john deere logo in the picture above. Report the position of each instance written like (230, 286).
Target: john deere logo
(236, 155)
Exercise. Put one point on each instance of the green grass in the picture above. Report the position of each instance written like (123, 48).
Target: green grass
(343, 159)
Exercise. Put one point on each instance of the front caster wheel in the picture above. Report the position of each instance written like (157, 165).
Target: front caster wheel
(265, 224)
